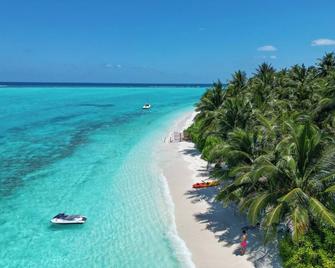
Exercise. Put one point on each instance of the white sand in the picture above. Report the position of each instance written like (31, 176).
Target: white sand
(211, 232)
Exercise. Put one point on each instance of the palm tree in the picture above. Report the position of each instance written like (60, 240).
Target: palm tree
(237, 84)
(326, 64)
(302, 87)
(323, 112)
(265, 73)
(290, 186)
(209, 108)
(261, 86)
(235, 112)
(212, 99)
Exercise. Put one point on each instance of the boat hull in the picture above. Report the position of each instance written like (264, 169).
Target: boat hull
(62, 221)
(146, 107)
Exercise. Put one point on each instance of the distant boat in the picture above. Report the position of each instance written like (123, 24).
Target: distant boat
(146, 106)
(62, 218)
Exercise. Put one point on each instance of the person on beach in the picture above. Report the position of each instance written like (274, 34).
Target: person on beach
(244, 242)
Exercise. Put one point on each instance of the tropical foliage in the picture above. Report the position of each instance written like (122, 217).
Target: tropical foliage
(275, 132)
(314, 250)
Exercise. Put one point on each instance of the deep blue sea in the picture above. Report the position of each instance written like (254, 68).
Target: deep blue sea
(87, 150)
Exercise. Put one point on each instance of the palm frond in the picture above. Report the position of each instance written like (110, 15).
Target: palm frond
(330, 189)
(294, 195)
(300, 222)
(257, 205)
(273, 216)
(321, 212)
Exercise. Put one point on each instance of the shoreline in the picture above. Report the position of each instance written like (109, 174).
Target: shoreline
(210, 232)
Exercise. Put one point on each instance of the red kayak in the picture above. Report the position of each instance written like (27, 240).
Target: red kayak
(205, 184)
(200, 185)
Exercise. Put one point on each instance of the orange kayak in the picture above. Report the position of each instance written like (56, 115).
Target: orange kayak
(205, 184)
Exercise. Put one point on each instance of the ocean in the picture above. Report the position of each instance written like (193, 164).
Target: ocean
(88, 150)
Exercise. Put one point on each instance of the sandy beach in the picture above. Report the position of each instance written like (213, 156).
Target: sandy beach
(210, 231)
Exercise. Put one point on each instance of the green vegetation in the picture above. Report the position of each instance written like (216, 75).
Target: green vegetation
(275, 132)
(315, 250)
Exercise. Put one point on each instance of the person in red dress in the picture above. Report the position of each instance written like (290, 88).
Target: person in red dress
(244, 242)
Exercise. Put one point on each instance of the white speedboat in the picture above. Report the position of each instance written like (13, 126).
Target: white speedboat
(62, 218)
(146, 106)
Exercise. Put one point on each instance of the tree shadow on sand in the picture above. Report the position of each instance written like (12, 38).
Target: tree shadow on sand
(227, 225)
(191, 151)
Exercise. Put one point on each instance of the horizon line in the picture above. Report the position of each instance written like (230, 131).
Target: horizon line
(101, 84)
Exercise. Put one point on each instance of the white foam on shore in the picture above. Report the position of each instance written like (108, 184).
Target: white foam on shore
(183, 254)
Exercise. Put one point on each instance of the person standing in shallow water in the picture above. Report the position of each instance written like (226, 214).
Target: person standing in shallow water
(244, 242)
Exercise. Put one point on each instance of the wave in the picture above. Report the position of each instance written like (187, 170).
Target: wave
(183, 254)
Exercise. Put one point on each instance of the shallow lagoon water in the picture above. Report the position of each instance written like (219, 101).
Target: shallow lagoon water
(87, 151)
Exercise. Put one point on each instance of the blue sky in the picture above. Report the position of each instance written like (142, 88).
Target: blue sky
(158, 41)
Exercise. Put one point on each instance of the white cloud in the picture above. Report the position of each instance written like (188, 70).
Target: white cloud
(323, 42)
(273, 57)
(267, 48)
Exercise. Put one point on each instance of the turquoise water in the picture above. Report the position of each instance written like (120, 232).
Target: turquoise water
(87, 151)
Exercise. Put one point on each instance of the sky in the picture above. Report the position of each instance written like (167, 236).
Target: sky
(156, 41)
